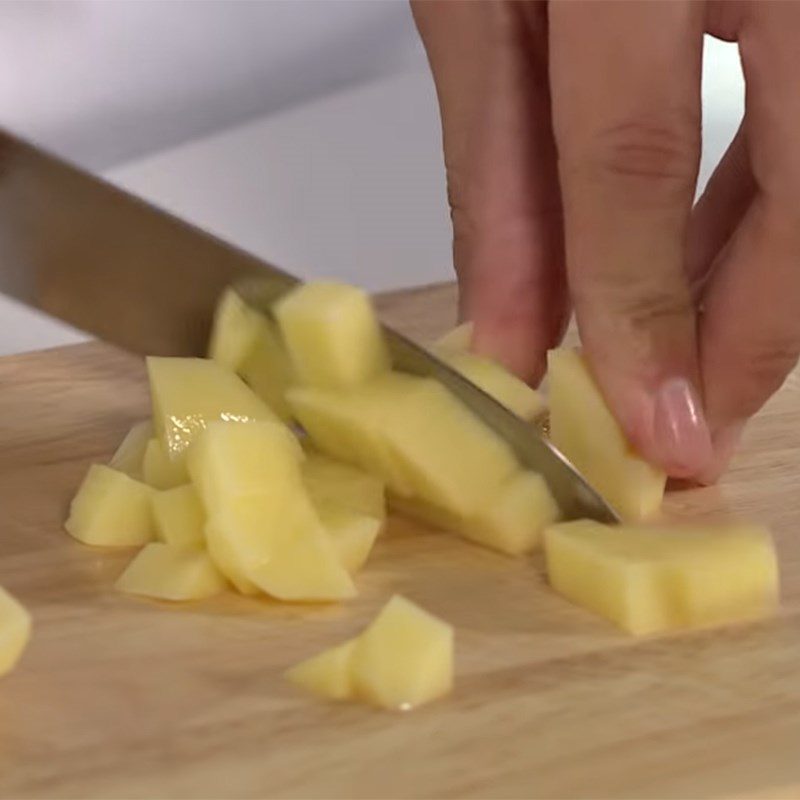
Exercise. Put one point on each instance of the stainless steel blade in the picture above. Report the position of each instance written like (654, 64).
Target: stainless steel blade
(576, 498)
(110, 264)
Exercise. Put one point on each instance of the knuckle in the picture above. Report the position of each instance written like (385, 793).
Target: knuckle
(655, 151)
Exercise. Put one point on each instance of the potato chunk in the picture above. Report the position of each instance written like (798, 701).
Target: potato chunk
(236, 329)
(584, 430)
(15, 631)
(353, 534)
(404, 658)
(332, 335)
(129, 455)
(111, 509)
(327, 674)
(655, 579)
(179, 517)
(330, 481)
(189, 393)
(166, 572)
(159, 470)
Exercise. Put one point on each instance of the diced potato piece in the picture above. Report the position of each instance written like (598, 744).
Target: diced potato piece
(188, 393)
(584, 430)
(348, 426)
(332, 335)
(655, 579)
(327, 674)
(228, 461)
(427, 513)
(353, 534)
(404, 658)
(457, 340)
(130, 454)
(15, 631)
(452, 458)
(111, 509)
(268, 371)
(498, 382)
(334, 482)
(179, 517)
(159, 470)
(514, 520)
(235, 540)
(235, 331)
(303, 564)
(167, 572)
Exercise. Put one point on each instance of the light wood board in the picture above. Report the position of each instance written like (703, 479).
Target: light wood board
(124, 698)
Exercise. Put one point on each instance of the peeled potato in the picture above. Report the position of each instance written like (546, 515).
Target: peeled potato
(328, 674)
(167, 572)
(129, 455)
(15, 631)
(161, 472)
(332, 335)
(583, 428)
(179, 517)
(330, 481)
(353, 534)
(111, 509)
(660, 578)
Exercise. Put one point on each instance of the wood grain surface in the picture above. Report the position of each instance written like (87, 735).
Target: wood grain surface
(124, 698)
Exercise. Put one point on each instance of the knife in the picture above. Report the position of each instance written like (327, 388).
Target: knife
(105, 261)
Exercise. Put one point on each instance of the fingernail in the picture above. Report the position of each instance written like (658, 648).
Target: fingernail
(680, 430)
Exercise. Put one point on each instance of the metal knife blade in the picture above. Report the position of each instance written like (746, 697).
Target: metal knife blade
(110, 264)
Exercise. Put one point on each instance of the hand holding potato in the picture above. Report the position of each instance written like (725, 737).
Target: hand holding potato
(572, 140)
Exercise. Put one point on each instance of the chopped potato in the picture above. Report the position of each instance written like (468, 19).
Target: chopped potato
(404, 658)
(497, 381)
(583, 428)
(353, 534)
(229, 461)
(268, 371)
(235, 331)
(655, 579)
(166, 572)
(189, 393)
(327, 674)
(159, 470)
(331, 481)
(179, 517)
(332, 335)
(15, 631)
(111, 509)
(457, 340)
(129, 455)
(514, 520)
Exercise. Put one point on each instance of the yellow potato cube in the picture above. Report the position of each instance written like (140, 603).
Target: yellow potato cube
(111, 509)
(332, 335)
(404, 658)
(327, 674)
(655, 579)
(453, 460)
(303, 564)
(348, 425)
(129, 455)
(583, 428)
(166, 572)
(159, 470)
(331, 481)
(235, 540)
(353, 534)
(497, 381)
(15, 631)
(426, 512)
(513, 521)
(228, 461)
(189, 393)
(268, 371)
(235, 331)
(179, 517)
(458, 340)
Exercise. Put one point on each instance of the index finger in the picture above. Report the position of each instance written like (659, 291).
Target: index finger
(625, 80)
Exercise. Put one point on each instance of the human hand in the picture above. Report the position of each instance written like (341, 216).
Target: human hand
(572, 134)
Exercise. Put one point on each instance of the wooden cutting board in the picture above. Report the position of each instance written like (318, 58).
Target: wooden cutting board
(124, 698)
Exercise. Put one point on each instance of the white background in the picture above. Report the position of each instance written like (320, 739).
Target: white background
(306, 132)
